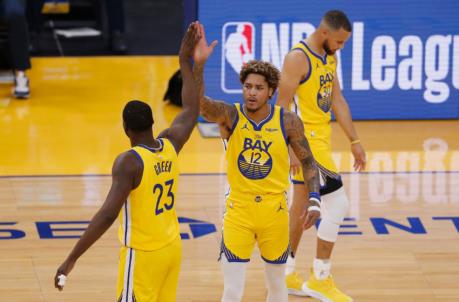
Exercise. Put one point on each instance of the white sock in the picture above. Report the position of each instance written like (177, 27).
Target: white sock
(290, 267)
(321, 268)
(20, 74)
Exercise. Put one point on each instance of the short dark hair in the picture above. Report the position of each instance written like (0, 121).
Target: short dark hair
(266, 69)
(137, 116)
(337, 19)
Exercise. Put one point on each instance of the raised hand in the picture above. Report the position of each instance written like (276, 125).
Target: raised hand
(202, 51)
(190, 40)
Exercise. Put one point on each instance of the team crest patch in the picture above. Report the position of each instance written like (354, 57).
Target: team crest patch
(254, 161)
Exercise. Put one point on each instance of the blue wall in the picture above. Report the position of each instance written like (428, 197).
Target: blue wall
(401, 62)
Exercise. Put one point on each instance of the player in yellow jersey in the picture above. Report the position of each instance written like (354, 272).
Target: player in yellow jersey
(143, 194)
(309, 80)
(257, 136)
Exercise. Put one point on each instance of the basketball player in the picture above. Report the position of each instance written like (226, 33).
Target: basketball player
(309, 79)
(257, 136)
(143, 195)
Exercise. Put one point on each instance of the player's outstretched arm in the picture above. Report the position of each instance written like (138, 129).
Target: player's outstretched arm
(213, 111)
(297, 140)
(182, 126)
(126, 175)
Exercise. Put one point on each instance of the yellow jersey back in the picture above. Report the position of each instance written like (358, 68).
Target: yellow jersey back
(313, 96)
(257, 155)
(148, 218)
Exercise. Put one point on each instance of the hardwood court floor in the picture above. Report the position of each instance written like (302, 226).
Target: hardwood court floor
(56, 153)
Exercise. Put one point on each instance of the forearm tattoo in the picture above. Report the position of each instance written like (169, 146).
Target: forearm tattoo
(297, 140)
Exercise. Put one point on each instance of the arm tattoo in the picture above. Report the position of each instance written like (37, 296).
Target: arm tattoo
(218, 111)
(211, 110)
(198, 72)
(295, 133)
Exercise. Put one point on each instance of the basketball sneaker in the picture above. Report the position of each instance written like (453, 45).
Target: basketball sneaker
(21, 87)
(324, 290)
(295, 284)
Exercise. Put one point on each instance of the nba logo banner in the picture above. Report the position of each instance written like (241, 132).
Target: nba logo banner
(238, 47)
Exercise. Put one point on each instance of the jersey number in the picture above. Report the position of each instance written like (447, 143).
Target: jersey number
(255, 158)
(160, 188)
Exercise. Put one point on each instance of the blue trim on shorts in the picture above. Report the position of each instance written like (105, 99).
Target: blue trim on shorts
(297, 182)
(229, 255)
(238, 260)
(281, 260)
(273, 261)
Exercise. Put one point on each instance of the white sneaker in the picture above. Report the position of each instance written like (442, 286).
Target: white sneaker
(21, 87)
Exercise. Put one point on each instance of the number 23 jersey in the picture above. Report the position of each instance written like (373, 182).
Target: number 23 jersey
(148, 220)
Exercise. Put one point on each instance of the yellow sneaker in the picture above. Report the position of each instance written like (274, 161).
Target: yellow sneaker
(295, 284)
(325, 290)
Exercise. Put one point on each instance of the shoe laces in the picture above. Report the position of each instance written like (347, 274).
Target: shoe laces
(297, 278)
(329, 283)
(21, 82)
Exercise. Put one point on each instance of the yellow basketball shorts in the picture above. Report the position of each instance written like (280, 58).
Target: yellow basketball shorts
(320, 144)
(149, 276)
(260, 220)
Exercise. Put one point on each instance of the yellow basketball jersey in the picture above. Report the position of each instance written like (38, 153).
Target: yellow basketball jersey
(257, 156)
(148, 218)
(313, 96)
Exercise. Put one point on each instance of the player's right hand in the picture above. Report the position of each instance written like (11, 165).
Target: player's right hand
(312, 213)
(64, 269)
(359, 157)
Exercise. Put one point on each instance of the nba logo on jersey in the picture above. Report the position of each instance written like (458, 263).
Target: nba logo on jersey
(238, 47)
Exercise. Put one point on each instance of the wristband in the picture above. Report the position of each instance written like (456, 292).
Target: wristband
(314, 196)
(355, 142)
(61, 280)
(314, 208)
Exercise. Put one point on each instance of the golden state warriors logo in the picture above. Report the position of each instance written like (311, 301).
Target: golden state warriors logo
(254, 161)
(324, 95)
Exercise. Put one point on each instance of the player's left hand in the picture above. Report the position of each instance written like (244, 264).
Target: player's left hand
(312, 213)
(64, 269)
(360, 158)
(202, 50)
(189, 41)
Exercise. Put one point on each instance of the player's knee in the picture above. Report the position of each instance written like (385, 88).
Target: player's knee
(336, 206)
(328, 230)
